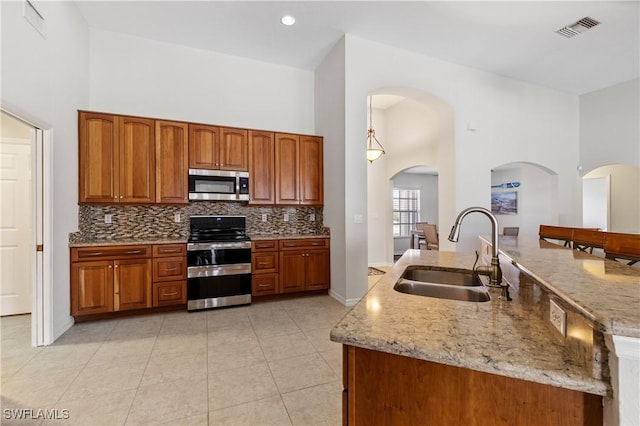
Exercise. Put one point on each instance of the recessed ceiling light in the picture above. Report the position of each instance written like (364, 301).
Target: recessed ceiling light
(288, 20)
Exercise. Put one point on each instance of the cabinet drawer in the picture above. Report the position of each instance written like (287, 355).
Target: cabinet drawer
(165, 250)
(110, 252)
(267, 245)
(304, 243)
(169, 293)
(264, 284)
(169, 268)
(262, 263)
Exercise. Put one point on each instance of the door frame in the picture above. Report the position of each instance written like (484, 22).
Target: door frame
(42, 234)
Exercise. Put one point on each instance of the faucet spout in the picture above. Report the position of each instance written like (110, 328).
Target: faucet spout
(493, 271)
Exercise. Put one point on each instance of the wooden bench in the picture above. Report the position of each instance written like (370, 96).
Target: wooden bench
(560, 233)
(587, 239)
(624, 247)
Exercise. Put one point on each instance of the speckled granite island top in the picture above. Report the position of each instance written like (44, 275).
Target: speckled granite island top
(498, 337)
(605, 291)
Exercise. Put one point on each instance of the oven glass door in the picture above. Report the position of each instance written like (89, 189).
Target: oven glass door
(218, 286)
(212, 184)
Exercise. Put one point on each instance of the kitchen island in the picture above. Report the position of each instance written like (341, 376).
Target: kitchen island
(509, 340)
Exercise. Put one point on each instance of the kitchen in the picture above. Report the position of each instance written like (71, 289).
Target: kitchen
(308, 103)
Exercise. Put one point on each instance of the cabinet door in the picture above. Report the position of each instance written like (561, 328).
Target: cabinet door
(317, 270)
(98, 158)
(292, 275)
(91, 287)
(311, 172)
(261, 168)
(136, 160)
(233, 149)
(287, 169)
(172, 162)
(132, 284)
(204, 147)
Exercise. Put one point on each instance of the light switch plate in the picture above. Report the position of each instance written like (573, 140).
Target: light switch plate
(312, 217)
(107, 218)
(286, 217)
(264, 217)
(558, 317)
(176, 218)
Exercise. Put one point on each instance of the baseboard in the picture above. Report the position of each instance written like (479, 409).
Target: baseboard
(346, 302)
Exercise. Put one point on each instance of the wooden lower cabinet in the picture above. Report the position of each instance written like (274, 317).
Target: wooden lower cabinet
(290, 266)
(387, 389)
(127, 278)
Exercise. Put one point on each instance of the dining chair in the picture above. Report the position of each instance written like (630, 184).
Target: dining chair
(511, 230)
(431, 240)
(419, 234)
(622, 247)
(587, 239)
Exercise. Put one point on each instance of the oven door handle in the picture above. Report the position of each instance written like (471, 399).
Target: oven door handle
(218, 270)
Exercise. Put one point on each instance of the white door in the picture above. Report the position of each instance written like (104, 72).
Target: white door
(16, 234)
(595, 202)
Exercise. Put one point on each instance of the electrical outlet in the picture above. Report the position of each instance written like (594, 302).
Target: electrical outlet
(286, 217)
(264, 217)
(558, 317)
(176, 218)
(358, 218)
(312, 217)
(107, 218)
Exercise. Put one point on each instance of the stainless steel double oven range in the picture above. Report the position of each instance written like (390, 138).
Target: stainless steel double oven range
(218, 262)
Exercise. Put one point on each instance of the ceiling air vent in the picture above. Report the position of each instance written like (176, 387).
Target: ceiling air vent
(576, 28)
(34, 17)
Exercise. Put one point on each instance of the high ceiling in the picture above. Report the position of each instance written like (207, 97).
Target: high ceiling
(514, 39)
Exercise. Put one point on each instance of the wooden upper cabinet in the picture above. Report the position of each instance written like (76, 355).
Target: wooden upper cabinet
(311, 171)
(98, 158)
(116, 159)
(172, 162)
(136, 160)
(233, 149)
(299, 170)
(287, 168)
(204, 147)
(261, 167)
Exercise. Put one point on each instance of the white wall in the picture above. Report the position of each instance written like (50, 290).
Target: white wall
(428, 186)
(610, 126)
(514, 121)
(624, 207)
(536, 201)
(137, 76)
(46, 81)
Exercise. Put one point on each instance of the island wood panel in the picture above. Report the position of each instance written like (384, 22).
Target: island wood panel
(204, 147)
(172, 162)
(261, 167)
(387, 389)
(137, 168)
(311, 171)
(233, 149)
(98, 158)
(287, 169)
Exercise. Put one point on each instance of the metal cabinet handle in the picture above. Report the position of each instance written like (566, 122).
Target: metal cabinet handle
(97, 253)
(133, 252)
(264, 285)
(170, 269)
(170, 294)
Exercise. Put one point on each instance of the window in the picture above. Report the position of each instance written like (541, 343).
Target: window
(406, 211)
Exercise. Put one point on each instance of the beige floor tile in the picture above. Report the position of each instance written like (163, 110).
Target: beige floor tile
(136, 350)
(301, 372)
(320, 340)
(230, 335)
(333, 357)
(128, 329)
(174, 366)
(184, 323)
(11, 365)
(270, 411)
(318, 405)
(274, 326)
(312, 320)
(234, 355)
(168, 401)
(223, 318)
(233, 387)
(197, 420)
(180, 343)
(57, 357)
(103, 379)
(12, 346)
(36, 391)
(106, 409)
(285, 346)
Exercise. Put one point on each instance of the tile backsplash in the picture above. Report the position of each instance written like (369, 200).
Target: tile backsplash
(158, 221)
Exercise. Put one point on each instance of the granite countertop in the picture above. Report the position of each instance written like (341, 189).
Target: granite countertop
(605, 291)
(284, 236)
(127, 241)
(497, 337)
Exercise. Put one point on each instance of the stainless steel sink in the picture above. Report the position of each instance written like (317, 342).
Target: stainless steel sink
(442, 283)
(442, 276)
(443, 291)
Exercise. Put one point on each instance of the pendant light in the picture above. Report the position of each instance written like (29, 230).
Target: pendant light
(373, 152)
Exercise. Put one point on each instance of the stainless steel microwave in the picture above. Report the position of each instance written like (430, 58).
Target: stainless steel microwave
(218, 185)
